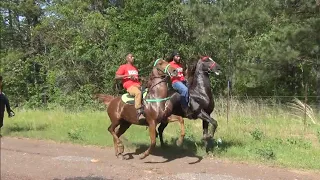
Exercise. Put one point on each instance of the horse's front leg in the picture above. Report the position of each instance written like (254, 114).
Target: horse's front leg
(205, 125)
(152, 133)
(161, 128)
(206, 117)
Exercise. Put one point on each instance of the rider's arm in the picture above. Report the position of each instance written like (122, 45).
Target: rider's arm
(185, 72)
(119, 77)
(120, 74)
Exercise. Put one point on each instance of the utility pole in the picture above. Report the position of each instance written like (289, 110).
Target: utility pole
(229, 81)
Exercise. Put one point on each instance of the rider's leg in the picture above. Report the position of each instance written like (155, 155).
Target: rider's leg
(135, 91)
(183, 91)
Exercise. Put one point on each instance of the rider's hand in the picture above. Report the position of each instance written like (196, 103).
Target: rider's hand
(135, 78)
(132, 77)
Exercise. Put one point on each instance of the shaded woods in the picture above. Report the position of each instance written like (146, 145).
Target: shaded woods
(58, 52)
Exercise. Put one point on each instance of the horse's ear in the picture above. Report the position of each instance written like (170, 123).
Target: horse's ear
(161, 61)
(199, 56)
(204, 58)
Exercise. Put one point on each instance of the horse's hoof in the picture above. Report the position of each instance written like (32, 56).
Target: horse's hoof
(121, 150)
(142, 156)
(179, 142)
(120, 156)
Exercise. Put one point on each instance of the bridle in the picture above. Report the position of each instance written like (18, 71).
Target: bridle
(165, 75)
(163, 78)
(211, 66)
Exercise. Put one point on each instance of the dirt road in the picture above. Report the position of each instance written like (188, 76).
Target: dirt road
(23, 159)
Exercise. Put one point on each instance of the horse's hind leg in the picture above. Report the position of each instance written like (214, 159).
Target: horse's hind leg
(174, 118)
(124, 125)
(116, 140)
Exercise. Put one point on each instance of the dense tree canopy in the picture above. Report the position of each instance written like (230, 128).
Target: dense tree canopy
(62, 52)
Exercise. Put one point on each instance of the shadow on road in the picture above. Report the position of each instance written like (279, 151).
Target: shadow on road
(189, 148)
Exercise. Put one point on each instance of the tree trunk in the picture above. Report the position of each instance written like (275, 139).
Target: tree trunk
(11, 28)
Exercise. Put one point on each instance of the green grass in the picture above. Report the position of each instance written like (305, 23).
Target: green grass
(269, 134)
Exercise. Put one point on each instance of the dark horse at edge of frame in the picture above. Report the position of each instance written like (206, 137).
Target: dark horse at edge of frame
(124, 115)
(200, 97)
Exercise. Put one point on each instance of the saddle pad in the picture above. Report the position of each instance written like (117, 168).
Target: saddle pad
(128, 99)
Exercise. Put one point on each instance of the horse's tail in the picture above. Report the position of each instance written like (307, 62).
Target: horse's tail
(106, 99)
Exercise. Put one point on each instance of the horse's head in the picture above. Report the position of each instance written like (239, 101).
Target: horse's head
(209, 65)
(163, 68)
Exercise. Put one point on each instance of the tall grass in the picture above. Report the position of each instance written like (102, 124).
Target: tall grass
(269, 132)
(256, 131)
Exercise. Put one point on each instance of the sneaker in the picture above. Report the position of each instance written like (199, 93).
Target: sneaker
(140, 115)
(11, 114)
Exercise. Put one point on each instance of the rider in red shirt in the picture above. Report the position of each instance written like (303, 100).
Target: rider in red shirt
(179, 82)
(129, 75)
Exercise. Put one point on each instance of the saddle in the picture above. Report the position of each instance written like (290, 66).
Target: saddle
(128, 99)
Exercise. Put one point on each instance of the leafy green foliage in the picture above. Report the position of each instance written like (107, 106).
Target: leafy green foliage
(266, 152)
(75, 134)
(65, 51)
(257, 134)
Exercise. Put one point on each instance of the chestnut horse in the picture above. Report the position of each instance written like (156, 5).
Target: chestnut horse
(201, 99)
(124, 115)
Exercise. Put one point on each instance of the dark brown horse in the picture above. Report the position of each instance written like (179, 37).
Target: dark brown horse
(124, 115)
(201, 99)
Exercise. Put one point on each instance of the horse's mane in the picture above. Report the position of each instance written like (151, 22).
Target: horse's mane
(150, 77)
(191, 69)
(148, 82)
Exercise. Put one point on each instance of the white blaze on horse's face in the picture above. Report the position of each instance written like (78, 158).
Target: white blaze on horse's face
(214, 66)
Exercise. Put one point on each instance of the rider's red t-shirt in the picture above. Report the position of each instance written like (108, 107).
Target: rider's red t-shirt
(128, 69)
(179, 69)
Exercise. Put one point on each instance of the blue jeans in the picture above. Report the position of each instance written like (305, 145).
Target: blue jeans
(183, 91)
